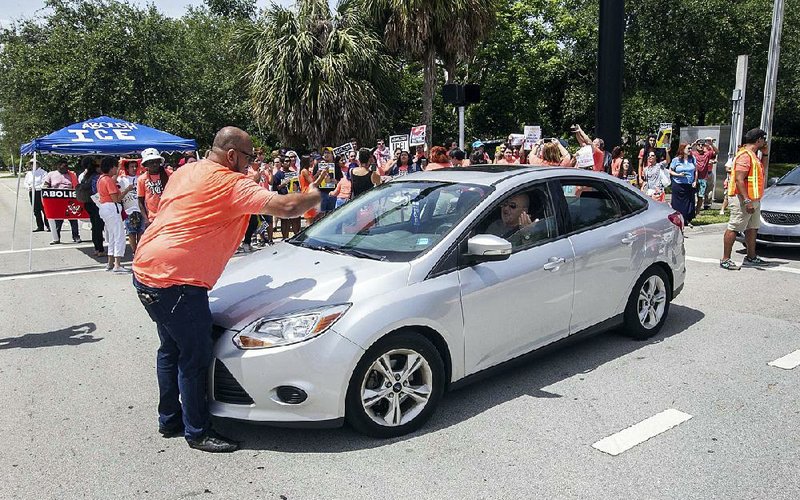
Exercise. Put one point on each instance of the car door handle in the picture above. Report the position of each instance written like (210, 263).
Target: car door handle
(554, 263)
(629, 238)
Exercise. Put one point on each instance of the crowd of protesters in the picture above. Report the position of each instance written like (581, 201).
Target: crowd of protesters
(124, 193)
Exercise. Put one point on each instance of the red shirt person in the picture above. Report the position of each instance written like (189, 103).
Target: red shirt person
(202, 217)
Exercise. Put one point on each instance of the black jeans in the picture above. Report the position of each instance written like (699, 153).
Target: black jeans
(183, 321)
(38, 210)
(55, 229)
(97, 225)
(251, 229)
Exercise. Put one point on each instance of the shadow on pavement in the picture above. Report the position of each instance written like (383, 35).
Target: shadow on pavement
(73, 335)
(528, 378)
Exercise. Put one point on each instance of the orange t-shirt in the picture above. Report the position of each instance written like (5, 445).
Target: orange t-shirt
(106, 186)
(202, 219)
(149, 187)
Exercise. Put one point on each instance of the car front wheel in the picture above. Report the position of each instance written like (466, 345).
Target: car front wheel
(648, 304)
(395, 387)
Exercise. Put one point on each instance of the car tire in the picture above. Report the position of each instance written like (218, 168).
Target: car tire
(648, 304)
(408, 402)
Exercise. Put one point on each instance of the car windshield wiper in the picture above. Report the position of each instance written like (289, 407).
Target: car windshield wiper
(362, 254)
(345, 251)
(786, 184)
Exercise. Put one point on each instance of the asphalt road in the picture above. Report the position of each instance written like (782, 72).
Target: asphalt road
(78, 399)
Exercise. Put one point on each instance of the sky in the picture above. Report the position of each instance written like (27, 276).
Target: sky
(14, 9)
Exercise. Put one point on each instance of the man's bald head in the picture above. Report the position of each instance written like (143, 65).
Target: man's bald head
(230, 138)
(231, 147)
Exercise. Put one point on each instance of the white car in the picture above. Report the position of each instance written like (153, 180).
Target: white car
(414, 287)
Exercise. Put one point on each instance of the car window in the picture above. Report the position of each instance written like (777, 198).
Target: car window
(395, 221)
(525, 218)
(589, 203)
(633, 202)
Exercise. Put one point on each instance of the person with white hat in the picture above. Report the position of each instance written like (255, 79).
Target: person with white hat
(151, 184)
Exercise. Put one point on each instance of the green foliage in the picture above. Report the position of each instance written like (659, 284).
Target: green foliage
(314, 78)
(86, 58)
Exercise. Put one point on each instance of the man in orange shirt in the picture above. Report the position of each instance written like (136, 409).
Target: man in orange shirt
(201, 220)
(598, 148)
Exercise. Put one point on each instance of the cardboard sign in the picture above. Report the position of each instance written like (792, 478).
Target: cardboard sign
(516, 139)
(532, 134)
(418, 134)
(344, 150)
(664, 139)
(62, 204)
(584, 157)
(399, 141)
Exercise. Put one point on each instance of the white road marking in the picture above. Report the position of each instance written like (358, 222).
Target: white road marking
(641, 432)
(63, 246)
(788, 362)
(782, 269)
(28, 276)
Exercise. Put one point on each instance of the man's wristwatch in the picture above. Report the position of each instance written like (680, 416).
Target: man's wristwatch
(747, 201)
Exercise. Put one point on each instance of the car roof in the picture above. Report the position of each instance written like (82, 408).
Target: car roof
(494, 175)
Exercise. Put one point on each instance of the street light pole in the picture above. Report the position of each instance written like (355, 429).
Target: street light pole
(771, 82)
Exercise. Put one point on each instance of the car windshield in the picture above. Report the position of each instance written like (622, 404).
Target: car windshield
(791, 179)
(396, 221)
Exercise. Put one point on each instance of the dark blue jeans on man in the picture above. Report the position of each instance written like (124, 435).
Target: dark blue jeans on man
(183, 320)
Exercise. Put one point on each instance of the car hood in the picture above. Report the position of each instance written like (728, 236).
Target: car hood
(285, 278)
(781, 199)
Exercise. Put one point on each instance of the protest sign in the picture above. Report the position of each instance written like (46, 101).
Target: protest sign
(532, 134)
(516, 139)
(664, 136)
(418, 135)
(327, 167)
(398, 141)
(62, 204)
(344, 149)
(584, 157)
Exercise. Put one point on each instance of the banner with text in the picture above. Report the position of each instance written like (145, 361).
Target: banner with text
(62, 204)
(664, 139)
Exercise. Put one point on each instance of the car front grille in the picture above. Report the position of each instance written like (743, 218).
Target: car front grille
(781, 218)
(226, 388)
(773, 238)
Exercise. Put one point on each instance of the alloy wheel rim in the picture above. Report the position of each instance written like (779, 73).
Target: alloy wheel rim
(652, 302)
(396, 387)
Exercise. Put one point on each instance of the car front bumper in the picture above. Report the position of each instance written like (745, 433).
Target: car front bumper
(779, 235)
(243, 383)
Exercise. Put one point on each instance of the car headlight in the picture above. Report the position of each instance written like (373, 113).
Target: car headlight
(286, 330)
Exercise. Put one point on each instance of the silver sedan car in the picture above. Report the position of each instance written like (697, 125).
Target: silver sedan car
(780, 212)
(426, 281)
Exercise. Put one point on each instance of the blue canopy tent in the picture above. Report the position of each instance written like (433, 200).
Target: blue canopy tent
(101, 135)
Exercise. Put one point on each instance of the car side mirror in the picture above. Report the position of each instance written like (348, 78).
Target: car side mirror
(772, 181)
(487, 248)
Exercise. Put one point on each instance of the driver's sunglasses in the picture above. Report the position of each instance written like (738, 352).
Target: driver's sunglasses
(511, 205)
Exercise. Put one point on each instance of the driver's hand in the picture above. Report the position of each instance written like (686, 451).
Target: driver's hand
(525, 219)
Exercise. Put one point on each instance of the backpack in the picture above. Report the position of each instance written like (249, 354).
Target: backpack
(84, 190)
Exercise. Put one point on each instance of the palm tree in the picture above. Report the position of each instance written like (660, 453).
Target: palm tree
(424, 30)
(314, 77)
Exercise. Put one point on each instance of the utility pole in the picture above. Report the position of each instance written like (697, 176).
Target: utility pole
(610, 63)
(737, 102)
(771, 82)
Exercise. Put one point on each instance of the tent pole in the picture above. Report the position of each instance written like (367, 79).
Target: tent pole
(30, 238)
(16, 202)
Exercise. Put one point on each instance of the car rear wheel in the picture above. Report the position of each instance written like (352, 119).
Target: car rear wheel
(648, 304)
(395, 387)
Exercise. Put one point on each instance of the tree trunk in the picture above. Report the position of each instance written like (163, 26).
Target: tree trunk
(428, 86)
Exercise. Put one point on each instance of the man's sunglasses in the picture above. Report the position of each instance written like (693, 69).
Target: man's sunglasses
(511, 205)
